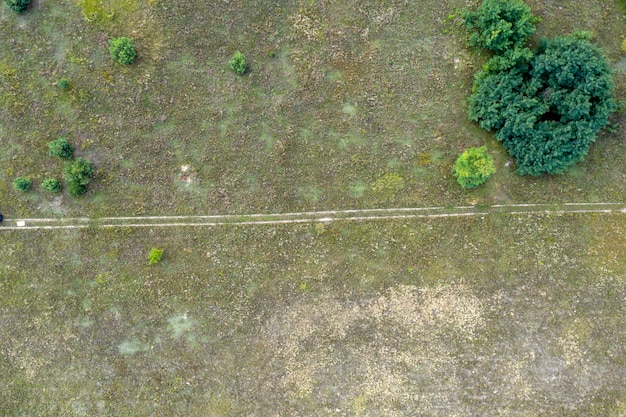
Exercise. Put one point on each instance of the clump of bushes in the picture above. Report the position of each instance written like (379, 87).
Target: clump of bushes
(238, 63)
(17, 6)
(77, 175)
(22, 184)
(122, 50)
(61, 148)
(547, 105)
(52, 185)
(155, 256)
(474, 167)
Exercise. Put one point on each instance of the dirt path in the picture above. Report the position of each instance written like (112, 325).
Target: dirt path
(308, 216)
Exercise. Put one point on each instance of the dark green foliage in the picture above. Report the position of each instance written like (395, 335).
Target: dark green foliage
(17, 6)
(238, 63)
(52, 185)
(548, 113)
(473, 167)
(155, 256)
(22, 184)
(77, 175)
(500, 25)
(61, 148)
(63, 84)
(122, 50)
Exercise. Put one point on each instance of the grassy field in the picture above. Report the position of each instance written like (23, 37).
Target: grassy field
(338, 95)
(501, 315)
(495, 316)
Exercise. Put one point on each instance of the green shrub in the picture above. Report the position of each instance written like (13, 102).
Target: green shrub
(77, 175)
(155, 256)
(63, 84)
(122, 50)
(22, 184)
(473, 167)
(547, 113)
(61, 148)
(500, 25)
(17, 6)
(238, 63)
(52, 185)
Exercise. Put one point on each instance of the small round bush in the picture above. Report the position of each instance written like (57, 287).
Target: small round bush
(17, 6)
(122, 50)
(22, 184)
(77, 175)
(52, 185)
(473, 167)
(63, 84)
(155, 256)
(238, 63)
(61, 148)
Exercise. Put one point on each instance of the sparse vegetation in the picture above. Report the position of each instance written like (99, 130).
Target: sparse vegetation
(474, 167)
(122, 50)
(363, 107)
(61, 148)
(238, 63)
(22, 184)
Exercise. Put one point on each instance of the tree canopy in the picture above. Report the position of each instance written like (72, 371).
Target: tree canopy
(545, 106)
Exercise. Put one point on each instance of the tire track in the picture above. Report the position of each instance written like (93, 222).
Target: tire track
(324, 216)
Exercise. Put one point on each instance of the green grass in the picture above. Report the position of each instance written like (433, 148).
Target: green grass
(473, 316)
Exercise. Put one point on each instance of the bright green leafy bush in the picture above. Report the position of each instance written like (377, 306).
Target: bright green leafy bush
(122, 50)
(61, 148)
(17, 6)
(500, 25)
(52, 185)
(77, 175)
(473, 167)
(238, 63)
(22, 184)
(155, 256)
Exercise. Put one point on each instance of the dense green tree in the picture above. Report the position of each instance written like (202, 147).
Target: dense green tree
(473, 167)
(17, 6)
(500, 25)
(547, 113)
